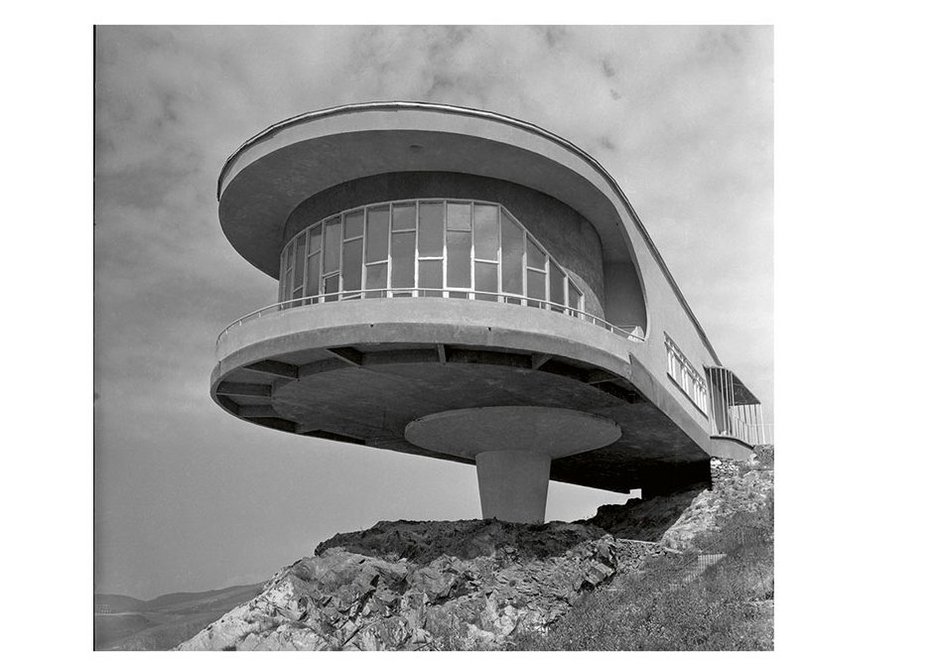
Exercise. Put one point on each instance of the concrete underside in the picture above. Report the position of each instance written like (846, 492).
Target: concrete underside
(553, 432)
(368, 393)
(513, 447)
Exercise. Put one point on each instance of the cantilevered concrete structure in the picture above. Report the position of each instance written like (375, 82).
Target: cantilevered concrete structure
(467, 286)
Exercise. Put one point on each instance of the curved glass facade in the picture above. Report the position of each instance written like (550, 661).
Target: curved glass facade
(462, 249)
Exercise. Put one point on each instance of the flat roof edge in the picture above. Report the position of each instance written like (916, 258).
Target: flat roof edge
(400, 105)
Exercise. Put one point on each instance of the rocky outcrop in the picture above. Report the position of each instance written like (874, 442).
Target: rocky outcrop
(473, 584)
(426, 585)
(737, 487)
(644, 519)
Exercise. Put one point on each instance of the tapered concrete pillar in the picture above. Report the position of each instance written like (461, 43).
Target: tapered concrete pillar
(512, 447)
(513, 484)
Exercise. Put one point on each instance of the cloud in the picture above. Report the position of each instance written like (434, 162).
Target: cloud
(680, 116)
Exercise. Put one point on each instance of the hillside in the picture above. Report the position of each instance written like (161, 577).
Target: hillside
(716, 594)
(127, 623)
(700, 576)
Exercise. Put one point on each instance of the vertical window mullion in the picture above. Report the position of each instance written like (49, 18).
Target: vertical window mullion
(341, 256)
(524, 265)
(416, 248)
(321, 289)
(282, 274)
(566, 292)
(364, 252)
(445, 248)
(390, 259)
(471, 294)
(498, 232)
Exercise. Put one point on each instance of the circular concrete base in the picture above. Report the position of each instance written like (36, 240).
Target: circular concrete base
(554, 432)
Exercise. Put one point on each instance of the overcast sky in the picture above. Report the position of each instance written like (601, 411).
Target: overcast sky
(188, 497)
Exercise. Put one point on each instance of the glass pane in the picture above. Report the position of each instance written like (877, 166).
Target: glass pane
(431, 229)
(458, 216)
(299, 261)
(351, 265)
(332, 246)
(536, 286)
(458, 272)
(402, 255)
(512, 255)
(378, 221)
(331, 286)
(287, 283)
(535, 257)
(486, 280)
(354, 224)
(431, 276)
(575, 295)
(557, 284)
(289, 256)
(376, 279)
(315, 239)
(404, 217)
(486, 232)
(312, 274)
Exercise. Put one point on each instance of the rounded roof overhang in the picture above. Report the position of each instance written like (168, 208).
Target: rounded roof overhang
(276, 170)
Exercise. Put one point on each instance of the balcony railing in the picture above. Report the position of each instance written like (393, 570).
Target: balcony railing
(736, 411)
(630, 332)
(753, 433)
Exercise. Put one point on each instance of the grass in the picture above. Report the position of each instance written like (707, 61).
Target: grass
(730, 606)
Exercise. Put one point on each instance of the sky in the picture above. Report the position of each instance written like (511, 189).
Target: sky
(187, 497)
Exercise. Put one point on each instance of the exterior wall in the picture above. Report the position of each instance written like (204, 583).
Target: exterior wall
(453, 321)
(326, 150)
(624, 304)
(565, 234)
(665, 313)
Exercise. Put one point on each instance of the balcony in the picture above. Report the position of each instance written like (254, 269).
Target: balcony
(736, 412)
(632, 333)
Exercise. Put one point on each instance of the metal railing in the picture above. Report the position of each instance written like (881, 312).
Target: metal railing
(753, 433)
(628, 331)
(736, 412)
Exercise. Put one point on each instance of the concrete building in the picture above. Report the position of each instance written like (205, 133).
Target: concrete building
(463, 285)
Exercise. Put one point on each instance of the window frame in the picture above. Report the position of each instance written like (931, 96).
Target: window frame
(338, 221)
(685, 376)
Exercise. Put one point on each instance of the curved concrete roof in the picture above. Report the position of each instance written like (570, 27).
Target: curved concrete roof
(274, 171)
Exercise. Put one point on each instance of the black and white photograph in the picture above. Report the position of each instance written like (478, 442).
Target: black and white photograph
(434, 338)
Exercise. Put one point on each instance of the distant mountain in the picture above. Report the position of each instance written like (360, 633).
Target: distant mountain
(116, 603)
(127, 623)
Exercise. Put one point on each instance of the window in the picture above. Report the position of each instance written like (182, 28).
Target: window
(688, 378)
(427, 248)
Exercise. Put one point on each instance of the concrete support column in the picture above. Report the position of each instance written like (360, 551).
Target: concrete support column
(513, 484)
(512, 447)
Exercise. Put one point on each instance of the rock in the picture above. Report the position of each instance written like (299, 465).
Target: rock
(464, 585)
(472, 584)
